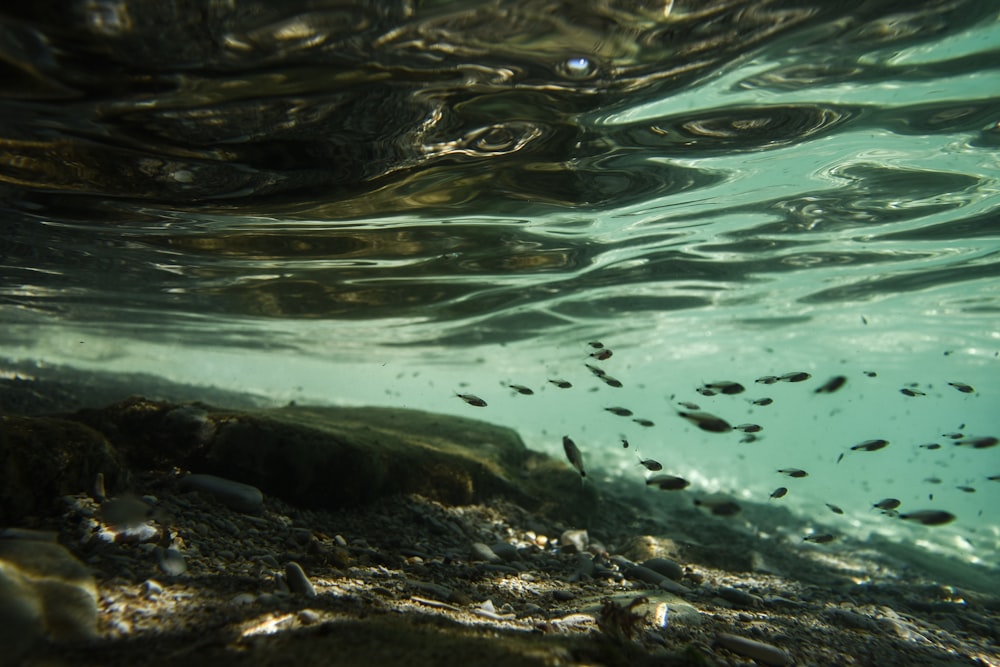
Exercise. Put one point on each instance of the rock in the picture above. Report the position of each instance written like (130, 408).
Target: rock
(849, 619)
(759, 651)
(665, 566)
(574, 540)
(235, 495)
(479, 551)
(298, 582)
(673, 586)
(644, 574)
(740, 598)
(44, 591)
(506, 551)
(44, 458)
(171, 561)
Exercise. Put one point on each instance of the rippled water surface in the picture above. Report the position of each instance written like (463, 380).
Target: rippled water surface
(387, 203)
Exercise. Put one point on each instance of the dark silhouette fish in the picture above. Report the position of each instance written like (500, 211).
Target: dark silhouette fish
(795, 376)
(793, 472)
(573, 455)
(887, 504)
(718, 507)
(821, 538)
(472, 400)
(834, 508)
(962, 387)
(562, 384)
(929, 517)
(832, 385)
(667, 482)
(870, 445)
(521, 389)
(621, 412)
(779, 492)
(650, 464)
(979, 443)
(707, 422)
(644, 422)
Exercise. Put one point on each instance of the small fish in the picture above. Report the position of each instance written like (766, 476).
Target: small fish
(967, 489)
(832, 385)
(994, 478)
(906, 391)
(644, 422)
(749, 428)
(953, 436)
(929, 517)
(472, 400)
(521, 389)
(931, 445)
(718, 507)
(621, 412)
(793, 472)
(962, 387)
(624, 443)
(725, 387)
(821, 538)
(932, 480)
(611, 382)
(601, 355)
(762, 401)
(887, 504)
(667, 482)
(779, 492)
(767, 379)
(795, 376)
(871, 374)
(128, 511)
(650, 464)
(599, 372)
(979, 443)
(562, 384)
(596, 344)
(689, 406)
(840, 458)
(707, 422)
(864, 320)
(834, 508)
(573, 455)
(705, 391)
(870, 445)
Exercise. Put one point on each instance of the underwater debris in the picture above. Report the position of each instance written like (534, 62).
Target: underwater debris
(820, 538)
(707, 422)
(979, 443)
(573, 455)
(620, 622)
(779, 492)
(521, 389)
(870, 445)
(472, 400)
(621, 412)
(562, 384)
(832, 385)
(793, 472)
(795, 376)
(962, 387)
(667, 482)
(929, 517)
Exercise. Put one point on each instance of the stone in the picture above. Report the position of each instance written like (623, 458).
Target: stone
(298, 582)
(759, 651)
(44, 591)
(664, 566)
(234, 495)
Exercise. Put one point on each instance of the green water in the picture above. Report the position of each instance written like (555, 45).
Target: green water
(387, 204)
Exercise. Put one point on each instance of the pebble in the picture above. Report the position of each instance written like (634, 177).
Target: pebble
(574, 539)
(759, 651)
(307, 617)
(480, 551)
(740, 598)
(244, 598)
(151, 588)
(665, 566)
(563, 595)
(235, 495)
(644, 574)
(506, 551)
(297, 580)
(171, 561)
(850, 619)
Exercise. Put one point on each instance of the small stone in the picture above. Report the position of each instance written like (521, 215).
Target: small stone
(298, 582)
(151, 588)
(574, 540)
(482, 552)
(665, 566)
(505, 551)
(563, 595)
(244, 598)
(307, 617)
(644, 574)
(759, 651)
(235, 495)
(740, 598)
(171, 561)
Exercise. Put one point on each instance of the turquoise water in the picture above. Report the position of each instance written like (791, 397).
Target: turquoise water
(388, 204)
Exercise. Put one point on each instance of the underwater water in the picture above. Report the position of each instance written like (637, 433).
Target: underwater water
(390, 203)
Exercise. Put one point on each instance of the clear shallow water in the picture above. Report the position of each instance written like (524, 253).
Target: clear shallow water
(390, 203)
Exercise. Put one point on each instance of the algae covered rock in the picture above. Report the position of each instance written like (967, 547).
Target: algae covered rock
(42, 458)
